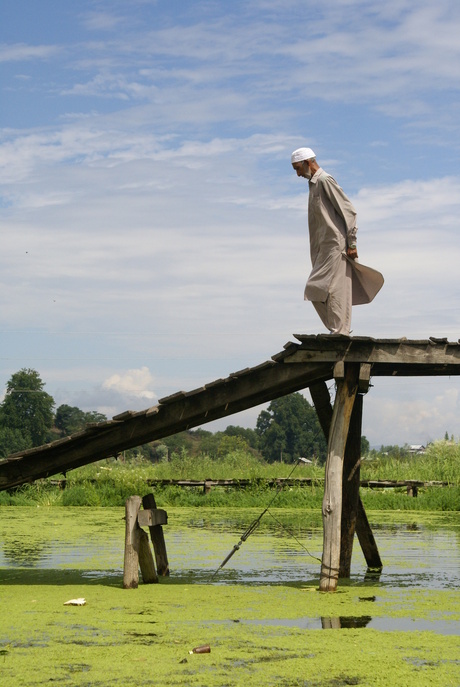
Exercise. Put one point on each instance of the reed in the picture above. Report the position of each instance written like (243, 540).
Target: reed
(111, 482)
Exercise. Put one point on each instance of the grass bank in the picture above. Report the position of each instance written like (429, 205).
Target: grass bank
(110, 482)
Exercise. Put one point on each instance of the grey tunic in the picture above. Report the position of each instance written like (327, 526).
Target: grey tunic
(332, 226)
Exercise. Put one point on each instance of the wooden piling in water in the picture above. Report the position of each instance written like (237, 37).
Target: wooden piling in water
(350, 487)
(332, 502)
(158, 539)
(132, 539)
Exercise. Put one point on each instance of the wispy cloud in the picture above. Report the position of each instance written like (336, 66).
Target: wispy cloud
(20, 52)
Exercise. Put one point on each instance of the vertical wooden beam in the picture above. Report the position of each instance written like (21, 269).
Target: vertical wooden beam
(131, 562)
(350, 487)
(332, 501)
(366, 539)
(147, 566)
(321, 400)
(158, 539)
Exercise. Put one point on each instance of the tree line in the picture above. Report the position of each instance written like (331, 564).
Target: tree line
(286, 430)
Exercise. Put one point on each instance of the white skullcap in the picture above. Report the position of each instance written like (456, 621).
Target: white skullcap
(302, 154)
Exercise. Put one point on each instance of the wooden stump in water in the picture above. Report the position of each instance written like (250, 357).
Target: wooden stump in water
(148, 572)
(158, 539)
(132, 542)
(332, 501)
(350, 488)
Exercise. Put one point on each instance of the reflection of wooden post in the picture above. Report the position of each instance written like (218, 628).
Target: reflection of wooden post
(158, 539)
(131, 563)
(331, 623)
(350, 487)
(332, 501)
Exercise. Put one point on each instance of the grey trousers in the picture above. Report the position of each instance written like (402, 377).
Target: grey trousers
(335, 312)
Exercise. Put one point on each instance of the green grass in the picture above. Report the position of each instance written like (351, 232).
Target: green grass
(110, 482)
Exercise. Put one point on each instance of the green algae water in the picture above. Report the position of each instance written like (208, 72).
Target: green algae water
(261, 614)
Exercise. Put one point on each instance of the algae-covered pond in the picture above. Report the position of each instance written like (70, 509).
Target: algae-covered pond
(261, 614)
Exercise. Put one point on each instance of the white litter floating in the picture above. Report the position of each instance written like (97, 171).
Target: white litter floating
(75, 602)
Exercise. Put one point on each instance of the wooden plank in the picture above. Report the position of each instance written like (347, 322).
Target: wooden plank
(364, 378)
(339, 370)
(146, 564)
(158, 539)
(380, 353)
(321, 400)
(152, 517)
(332, 501)
(350, 488)
(366, 540)
(131, 560)
(263, 384)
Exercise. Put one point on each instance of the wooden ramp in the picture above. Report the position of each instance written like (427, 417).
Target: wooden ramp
(308, 363)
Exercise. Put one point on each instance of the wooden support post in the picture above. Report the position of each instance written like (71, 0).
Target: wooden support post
(332, 501)
(350, 487)
(148, 572)
(321, 400)
(366, 539)
(158, 539)
(131, 562)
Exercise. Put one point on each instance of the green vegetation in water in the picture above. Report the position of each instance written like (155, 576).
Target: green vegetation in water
(111, 482)
(144, 636)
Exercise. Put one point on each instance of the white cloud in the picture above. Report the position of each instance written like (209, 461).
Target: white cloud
(150, 217)
(132, 384)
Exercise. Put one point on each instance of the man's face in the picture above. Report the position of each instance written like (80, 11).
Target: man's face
(302, 169)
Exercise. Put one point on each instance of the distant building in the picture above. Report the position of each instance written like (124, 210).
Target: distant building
(417, 449)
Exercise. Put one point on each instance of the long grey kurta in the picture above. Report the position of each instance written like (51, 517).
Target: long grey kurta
(336, 282)
(332, 226)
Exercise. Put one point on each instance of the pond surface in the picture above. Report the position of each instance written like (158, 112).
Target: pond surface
(419, 551)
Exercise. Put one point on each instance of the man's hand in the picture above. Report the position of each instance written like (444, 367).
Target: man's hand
(352, 253)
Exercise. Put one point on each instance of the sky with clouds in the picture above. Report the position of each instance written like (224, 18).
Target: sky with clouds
(153, 234)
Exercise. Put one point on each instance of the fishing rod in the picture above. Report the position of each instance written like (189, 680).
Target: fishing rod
(253, 526)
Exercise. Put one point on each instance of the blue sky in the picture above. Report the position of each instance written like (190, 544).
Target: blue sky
(153, 234)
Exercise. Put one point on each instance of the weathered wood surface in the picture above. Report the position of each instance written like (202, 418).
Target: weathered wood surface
(132, 543)
(269, 482)
(350, 487)
(158, 539)
(366, 540)
(332, 501)
(388, 357)
(174, 414)
(152, 517)
(321, 401)
(316, 355)
(146, 564)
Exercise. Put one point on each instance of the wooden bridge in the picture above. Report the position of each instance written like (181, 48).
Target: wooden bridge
(311, 362)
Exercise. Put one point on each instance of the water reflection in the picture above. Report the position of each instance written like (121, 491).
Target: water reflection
(345, 622)
(415, 553)
(24, 554)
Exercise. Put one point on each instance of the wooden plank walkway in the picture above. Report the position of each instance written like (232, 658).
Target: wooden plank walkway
(310, 361)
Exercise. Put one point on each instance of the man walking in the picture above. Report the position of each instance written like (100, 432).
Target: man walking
(332, 227)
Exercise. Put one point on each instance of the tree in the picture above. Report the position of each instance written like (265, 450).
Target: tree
(13, 440)
(70, 419)
(249, 435)
(289, 428)
(365, 446)
(27, 407)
